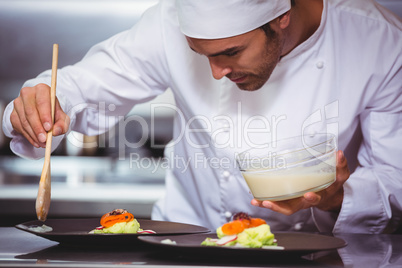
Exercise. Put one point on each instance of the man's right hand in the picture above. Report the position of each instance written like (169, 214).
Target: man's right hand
(32, 116)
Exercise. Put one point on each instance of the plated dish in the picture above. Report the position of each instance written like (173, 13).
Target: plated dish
(288, 243)
(76, 231)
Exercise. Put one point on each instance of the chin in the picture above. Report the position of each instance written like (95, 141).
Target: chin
(247, 89)
(250, 86)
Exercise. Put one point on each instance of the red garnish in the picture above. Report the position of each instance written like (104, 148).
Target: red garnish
(226, 239)
(241, 216)
(146, 232)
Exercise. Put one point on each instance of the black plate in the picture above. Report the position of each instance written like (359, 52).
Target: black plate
(293, 243)
(76, 231)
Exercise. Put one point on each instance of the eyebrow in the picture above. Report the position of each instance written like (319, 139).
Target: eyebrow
(223, 52)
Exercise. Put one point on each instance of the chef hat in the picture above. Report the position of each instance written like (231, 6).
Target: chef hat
(213, 19)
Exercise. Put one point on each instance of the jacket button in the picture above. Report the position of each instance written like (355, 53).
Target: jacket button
(320, 64)
(226, 174)
(228, 214)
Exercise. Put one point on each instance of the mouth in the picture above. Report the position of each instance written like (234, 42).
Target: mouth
(239, 79)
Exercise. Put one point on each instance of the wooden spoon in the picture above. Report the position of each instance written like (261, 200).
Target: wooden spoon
(43, 199)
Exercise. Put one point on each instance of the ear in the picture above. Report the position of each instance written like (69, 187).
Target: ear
(284, 20)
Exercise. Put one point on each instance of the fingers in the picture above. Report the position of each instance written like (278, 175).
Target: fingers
(31, 108)
(21, 123)
(44, 108)
(280, 207)
(17, 124)
(342, 169)
(256, 203)
(312, 199)
(32, 115)
(286, 207)
(62, 120)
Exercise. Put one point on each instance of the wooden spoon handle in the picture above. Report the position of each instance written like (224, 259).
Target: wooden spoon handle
(54, 78)
(52, 100)
(43, 199)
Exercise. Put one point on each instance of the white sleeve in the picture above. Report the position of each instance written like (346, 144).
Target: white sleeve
(127, 69)
(373, 193)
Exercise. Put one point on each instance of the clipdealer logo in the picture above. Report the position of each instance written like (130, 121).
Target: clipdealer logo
(234, 130)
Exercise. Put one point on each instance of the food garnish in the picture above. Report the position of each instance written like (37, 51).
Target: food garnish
(119, 221)
(115, 216)
(243, 231)
(240, 222)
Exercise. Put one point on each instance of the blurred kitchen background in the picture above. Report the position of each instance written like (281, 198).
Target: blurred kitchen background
(90, 175)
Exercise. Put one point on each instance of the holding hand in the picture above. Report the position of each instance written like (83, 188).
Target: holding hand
(32, 116)
(329, 199)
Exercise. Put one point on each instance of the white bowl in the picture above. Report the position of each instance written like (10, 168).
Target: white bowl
(289, 168)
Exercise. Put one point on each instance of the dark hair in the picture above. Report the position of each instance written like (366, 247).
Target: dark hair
(267, 29)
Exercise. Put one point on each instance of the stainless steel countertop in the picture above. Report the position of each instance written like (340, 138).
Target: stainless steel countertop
(27, 250)
(81, 186)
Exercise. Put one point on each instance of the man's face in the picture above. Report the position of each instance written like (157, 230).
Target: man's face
(248, 59)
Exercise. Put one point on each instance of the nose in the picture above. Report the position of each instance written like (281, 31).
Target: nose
(218, 69)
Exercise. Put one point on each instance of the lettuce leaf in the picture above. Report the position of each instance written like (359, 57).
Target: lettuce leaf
(256, 237)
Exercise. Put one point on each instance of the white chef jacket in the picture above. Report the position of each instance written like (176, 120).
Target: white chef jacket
(345, 79)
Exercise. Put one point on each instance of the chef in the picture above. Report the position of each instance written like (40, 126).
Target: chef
(244, 74)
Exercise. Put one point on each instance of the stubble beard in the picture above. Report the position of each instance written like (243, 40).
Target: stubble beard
(271, 58)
